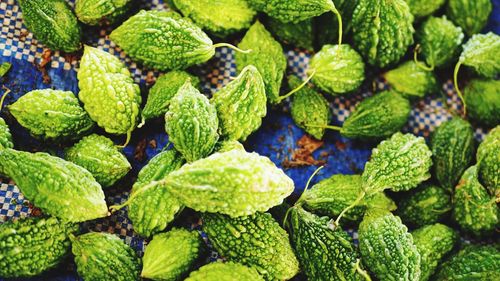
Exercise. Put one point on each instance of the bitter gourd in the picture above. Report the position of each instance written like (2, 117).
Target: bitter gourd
(5, 135)
(58, 187)
(228, 271)
(491, 139)
(433, 243)
(95, 12)
(474, 262)
(52, 114)
(256, 241)
(483, 104)
(399, 163)
(309, 107)
(337, 69)
(108, 92)
(439, 41)
(382, 30)
(53, 23)
(474, 208)
(4, 68)
(170, 255)
(152, 208)
(241, 105)
(326, 27)
(164, 89)
(227, 145)
(411, 80)
(235, 182)
(101, 158)
(423, 8)
(31, 246)
(297, 34)
(222, 18)
(267, 56)
(425, 205)
(387, 249)
(452, 147)
(104, 256)
(488, 159)
(324, 253)
(331, 196)
(471, 15)
(191, 123)
(164, 40)
(293, 10)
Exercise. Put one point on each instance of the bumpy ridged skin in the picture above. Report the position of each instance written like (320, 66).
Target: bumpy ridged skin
(483, 102)
(31, 246)
(439, 40)
(309, 108)
(337, 70)
(423, 8)
(223, 17)
(152, 207)
(170, 256)
(297, 34)
(5, 135)
(387, 249)
(58, 187)
(323, 253)
(235, 183)
(425, 205)
(488, 158)
(399, 163)
(162, 41)
(433, 243)
(228, 145)
(471, 15)
(382, 30)
(481, 54)
(331, 196)
(51, 114)
(411, 80)
(100, 157)
(228, 271)
(165, 88)
(473, 263)
(108, 91)
(452, 147)
(377, 117)
(53, 23)
(267, 56)
(256, 241)
(191, 123)
(241, 105)
(94, 12)
(292, 10)
(102, 256)
(474, 208)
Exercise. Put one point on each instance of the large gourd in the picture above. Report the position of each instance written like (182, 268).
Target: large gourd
(471, 15)
(58, 187)
(423, 8)
(5, 135)
(473, 262)
(228, 271)
(95, 12)
(483, 104)
(293, 10)
(488, 159)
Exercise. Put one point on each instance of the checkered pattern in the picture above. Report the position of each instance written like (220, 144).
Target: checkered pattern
(16, 42)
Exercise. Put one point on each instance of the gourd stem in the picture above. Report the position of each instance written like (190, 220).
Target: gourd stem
(127, 140)
(143, 121)
(362, 272)
(331, 127)
(418, 63)
(231, 47)
(7, 91)
(281, 98)
(354, 204)
(455, 82)
(339, 19)
(115, 208)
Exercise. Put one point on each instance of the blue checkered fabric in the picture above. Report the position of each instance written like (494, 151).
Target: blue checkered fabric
(18, 45)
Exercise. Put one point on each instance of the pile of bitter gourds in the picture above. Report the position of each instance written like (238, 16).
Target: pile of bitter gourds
(400, 203)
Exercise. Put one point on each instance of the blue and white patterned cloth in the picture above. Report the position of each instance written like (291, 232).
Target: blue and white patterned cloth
(276, 139)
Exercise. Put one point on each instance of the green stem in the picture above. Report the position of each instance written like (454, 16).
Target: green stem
(7, 91)
(354, 204)
(339, 19)
(152, 184)
(455, 82)
(362, 272)
(127, 140)
(418, 63)
(331, 127)
(143, 121)
(231, 47)
(280, 99)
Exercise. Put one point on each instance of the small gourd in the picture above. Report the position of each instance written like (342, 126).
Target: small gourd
(411, 80)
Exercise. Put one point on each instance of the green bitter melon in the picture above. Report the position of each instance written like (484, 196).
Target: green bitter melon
(471, 15)
(483, 102)
(95, 12)
(228, 271)
(5, 135)
(411, 80)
